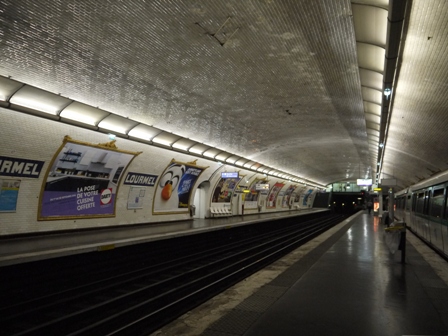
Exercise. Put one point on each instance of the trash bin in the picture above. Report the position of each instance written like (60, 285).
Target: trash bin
(395, 236)
(192, 210)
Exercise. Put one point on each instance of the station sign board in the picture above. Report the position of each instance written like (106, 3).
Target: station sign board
(229, 175)
(364, 182)
(262, 186)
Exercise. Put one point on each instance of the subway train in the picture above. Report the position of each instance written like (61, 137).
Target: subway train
(424, 208)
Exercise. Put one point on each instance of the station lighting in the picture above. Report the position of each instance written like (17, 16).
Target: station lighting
(29, 99)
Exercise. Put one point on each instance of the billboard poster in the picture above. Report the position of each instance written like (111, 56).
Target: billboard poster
(306, 196)
(298, 193)
(287, 196)
(9, 193)
(174, 190)
(251, 199)
(224, 190)
(82, 180)
(273, 193)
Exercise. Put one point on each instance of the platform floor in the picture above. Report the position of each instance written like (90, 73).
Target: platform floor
(22, 249)
(345, 282)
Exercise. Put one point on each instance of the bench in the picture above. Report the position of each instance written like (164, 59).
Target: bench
(220, 212)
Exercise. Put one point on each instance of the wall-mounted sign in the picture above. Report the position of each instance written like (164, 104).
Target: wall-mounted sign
(175, 186)
(20, 167)
(135, 197)
(229, 175)
(377, 189)
(389, 182)
(82, 180)
(262, 186)
(140, 179)
(364, 182)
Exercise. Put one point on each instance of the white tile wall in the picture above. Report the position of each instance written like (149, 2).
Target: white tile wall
(30, 137)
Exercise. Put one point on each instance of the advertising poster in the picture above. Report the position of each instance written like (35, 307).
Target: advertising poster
(224, 190)
(298, 193)
(273, 193)
(306, 196)
(82, 180)
(287, 196)
(251, 199)
(174, 190)
(9, 192)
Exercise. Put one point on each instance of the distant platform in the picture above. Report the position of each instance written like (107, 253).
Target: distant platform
(41, 246)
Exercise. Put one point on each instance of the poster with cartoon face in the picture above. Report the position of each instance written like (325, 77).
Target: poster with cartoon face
(175, 186)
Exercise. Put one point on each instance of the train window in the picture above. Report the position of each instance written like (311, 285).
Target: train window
(446, 205)
(414, 202)
(420, 203)
(408, 203)
(437, 200)
(427, 202)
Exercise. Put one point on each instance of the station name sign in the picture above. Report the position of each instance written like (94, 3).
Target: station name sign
(140, 179)
(229, 175)
(20, 167)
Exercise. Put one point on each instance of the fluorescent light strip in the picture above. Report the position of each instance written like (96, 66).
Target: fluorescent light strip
(32, 98)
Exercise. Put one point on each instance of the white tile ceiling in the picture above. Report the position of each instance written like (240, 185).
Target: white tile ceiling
(293, 85)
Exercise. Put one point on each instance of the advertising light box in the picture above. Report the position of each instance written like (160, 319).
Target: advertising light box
(364, 182)
(229, 175)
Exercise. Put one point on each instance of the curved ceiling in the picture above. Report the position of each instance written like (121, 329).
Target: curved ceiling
(294, 86)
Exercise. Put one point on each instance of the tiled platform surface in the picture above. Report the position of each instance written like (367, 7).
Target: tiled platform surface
(349, 285)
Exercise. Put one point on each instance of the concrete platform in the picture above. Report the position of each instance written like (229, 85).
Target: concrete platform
(345, 282)
(16, 250)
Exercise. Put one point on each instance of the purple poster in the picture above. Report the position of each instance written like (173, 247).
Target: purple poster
(82, 181)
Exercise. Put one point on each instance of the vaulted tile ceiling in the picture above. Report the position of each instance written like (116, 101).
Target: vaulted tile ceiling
(296, 85)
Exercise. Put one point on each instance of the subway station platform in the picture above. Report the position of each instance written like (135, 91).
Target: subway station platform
(344, 282)
(20, 249)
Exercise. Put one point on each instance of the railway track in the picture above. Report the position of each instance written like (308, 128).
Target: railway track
(142, 298)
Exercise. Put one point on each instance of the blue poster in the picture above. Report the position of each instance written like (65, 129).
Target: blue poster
(9, 193)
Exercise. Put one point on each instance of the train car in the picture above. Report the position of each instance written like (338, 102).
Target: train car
(424, 208)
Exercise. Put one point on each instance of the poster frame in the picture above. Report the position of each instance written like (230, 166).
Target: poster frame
(187, 210)
(110, 146)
